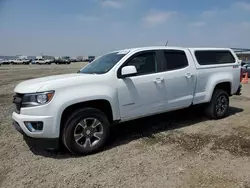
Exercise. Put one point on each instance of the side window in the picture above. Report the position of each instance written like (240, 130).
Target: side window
(145, 63)
(214, 57)
(175, 59)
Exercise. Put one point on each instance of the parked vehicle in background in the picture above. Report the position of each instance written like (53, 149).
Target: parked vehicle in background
(73, 60)
(27, 61)
(40, 60)
(78, 109)
(16, 61)
(246, 68)
(33, 61)
(21, 61)
(63, 60)
(6, 61)
(91, 58)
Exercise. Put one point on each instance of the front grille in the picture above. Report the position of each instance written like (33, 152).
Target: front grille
(17, 100)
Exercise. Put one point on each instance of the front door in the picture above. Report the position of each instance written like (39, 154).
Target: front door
(144, 93)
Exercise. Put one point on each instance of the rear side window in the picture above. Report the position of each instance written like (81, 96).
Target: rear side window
(175, 59)
(214, 57)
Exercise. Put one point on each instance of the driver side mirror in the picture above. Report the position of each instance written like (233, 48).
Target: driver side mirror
(128, 71)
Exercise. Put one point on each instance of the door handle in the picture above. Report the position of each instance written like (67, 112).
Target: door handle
(188, 75)
(158, 80)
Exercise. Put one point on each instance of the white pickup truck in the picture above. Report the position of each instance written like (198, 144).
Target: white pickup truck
(40, 60)
(78, 109)
(20, 61)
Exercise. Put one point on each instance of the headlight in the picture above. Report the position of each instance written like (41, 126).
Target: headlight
(36, 99)
(42, 98)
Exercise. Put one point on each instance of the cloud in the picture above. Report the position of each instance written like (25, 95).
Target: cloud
(158, 17)
(242, 5)
(226, 25)
(85, 18)
(198, 24)
(245, 24)
(112, 3)
(209, 13)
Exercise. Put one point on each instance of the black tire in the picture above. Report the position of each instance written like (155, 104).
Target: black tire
(71, 124)
(211, 109)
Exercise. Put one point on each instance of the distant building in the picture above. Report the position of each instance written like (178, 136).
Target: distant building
(45, 57)
(81, 58)
(245, 55)
(22, 57)
(48, 57)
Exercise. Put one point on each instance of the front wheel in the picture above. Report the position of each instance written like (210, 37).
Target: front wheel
(218, 106)
(86, 131)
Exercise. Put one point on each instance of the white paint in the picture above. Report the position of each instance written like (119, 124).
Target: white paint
(130, 98)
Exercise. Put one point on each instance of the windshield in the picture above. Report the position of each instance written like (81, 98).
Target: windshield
(103, 64)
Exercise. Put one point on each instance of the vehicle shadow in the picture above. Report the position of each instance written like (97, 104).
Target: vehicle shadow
(147, 127)
(143, 128)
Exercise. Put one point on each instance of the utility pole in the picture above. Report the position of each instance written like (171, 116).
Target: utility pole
(166, 43)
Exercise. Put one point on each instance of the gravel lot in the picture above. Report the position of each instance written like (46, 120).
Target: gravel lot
(179, 149)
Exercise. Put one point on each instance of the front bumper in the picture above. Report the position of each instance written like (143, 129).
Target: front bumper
(46, 138)
(45, 143)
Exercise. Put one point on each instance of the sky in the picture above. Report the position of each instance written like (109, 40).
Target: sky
(94, 27)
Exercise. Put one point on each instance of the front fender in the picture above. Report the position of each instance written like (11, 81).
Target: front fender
(67, 97)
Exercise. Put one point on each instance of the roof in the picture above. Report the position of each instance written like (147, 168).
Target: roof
(167, 47)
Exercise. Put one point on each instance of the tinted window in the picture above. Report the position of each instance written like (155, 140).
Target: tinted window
(214, 57)
(145, 63)
(175, 59)
(103, 64)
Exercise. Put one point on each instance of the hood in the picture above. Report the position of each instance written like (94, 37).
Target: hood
(53, 82)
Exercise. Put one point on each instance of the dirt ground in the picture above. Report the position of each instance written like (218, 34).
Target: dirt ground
(178, 149)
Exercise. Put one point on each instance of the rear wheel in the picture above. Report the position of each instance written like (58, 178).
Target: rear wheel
(86, 131)
(219, 104)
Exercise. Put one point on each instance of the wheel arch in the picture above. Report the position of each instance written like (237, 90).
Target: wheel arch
(218, 81)
(103, 105)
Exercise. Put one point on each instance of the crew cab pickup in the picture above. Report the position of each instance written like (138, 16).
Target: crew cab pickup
(78, 109)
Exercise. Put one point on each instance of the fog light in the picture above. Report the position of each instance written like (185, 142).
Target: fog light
(34, 126)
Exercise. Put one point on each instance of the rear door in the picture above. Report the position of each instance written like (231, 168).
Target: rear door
(180, 78)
